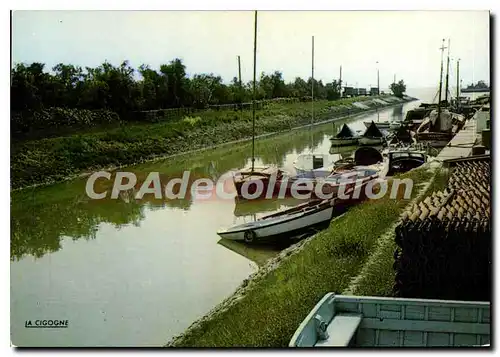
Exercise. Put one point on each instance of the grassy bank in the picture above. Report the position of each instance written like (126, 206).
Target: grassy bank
(54, 159)
(275, 303)
(377, 277)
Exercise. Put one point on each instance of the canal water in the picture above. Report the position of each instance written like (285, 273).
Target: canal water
(136, 273)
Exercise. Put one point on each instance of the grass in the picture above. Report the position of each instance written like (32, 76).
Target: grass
(275, 304)
(54, 159)
(378, 277)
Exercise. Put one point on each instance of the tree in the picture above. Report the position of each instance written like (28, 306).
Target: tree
(398, 89)
(332, 90)
(301, 88)
(207, 89)
(177, 82)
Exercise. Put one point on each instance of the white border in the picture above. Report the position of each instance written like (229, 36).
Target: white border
(184, 5)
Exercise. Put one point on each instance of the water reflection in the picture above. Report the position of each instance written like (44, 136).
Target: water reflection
(259, 254)
(41, 216)
(162, 252)
(397, 113)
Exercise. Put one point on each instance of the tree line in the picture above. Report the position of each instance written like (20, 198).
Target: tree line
(117, 88)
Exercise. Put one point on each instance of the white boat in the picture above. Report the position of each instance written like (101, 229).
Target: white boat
(366, 321)
(384, 124)
(289, 222)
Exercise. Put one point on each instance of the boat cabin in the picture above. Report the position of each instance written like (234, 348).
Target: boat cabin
(403, 161)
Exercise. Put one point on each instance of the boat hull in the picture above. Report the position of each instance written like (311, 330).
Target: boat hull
(344, 141)
(342, 321)
(287, 224)
(275, 228)
(370, 141)
(379, 125)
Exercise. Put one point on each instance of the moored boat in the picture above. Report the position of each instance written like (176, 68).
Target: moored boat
(399, 161)
(366, 321)
(380, 124)
(293, 221)
(372, 136)
(248, 181)
(289, 222)
(345, 137)
(312, 165)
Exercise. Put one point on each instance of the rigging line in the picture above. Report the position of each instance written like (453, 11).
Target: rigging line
(312, 94)
(253, 99)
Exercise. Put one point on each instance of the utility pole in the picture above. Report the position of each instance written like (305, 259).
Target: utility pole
(447, 72)
(394, 81)
(239, 71)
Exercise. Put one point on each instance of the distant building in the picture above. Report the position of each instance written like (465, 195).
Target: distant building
(348, 92)
(361, 91)
(374, 91)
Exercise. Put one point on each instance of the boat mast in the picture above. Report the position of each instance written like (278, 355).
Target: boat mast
(458, 82)
(447, 72)
(340, 81)
(312, 90)
(239, 73)
(240, 96)
(253, 95)
(440, 83)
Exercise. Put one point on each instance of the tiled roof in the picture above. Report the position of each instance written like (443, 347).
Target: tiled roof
(444, 241)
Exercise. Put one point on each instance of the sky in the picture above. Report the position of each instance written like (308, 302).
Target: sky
(404, 43)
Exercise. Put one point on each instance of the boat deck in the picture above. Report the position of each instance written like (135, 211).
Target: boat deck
(462, 143)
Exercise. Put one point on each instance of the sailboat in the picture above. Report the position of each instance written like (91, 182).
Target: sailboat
(372, 136)
(250, 179)
(345, 137)
(312, 165)
(441, 124)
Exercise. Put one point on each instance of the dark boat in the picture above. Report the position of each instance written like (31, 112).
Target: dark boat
(400, 161)
(345, 137)
(372, 136)
(439, 127)
(415, 117)
(402, 136)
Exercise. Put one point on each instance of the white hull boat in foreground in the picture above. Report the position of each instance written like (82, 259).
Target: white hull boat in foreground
(366, 321)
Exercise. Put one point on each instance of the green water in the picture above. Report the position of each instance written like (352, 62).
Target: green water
(136, 273)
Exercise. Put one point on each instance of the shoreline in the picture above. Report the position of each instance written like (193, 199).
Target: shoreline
(219, 145)
(305, 255)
